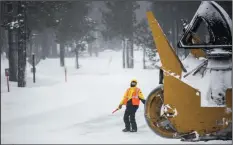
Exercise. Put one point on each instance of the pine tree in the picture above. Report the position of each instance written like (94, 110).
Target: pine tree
(73, 25)
(22, 38)
(143, 38)
(120, 19)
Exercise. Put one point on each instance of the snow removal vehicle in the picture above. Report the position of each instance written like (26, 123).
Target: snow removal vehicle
(195, 100)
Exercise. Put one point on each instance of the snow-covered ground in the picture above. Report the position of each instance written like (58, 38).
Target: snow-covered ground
(79, 110)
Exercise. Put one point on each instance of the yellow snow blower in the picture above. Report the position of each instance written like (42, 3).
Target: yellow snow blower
(195, 100)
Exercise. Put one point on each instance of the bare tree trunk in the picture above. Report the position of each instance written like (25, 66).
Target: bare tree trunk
(62, 54)
(96, 51)
(132, 49)
(13, 47)
(49, 46)
(22, 32)
(131, 54)
(30, 50)
(90, 48)
(1, 28)
(36, 48)
(45, 47)
(13, 55)
(30, 47)
(1, 37)
(1, 13)
(6, 44)
(54, 50)
(123, 50)
(144, 60)
(76, 57)
(127, 54)
(96, 45)
(3, 41)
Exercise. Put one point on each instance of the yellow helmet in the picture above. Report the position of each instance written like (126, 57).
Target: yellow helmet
(134, 80)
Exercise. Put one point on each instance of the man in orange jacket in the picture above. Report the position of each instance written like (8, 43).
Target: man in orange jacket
(131, 99)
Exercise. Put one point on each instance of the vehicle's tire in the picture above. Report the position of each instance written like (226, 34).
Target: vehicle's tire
(153, 105)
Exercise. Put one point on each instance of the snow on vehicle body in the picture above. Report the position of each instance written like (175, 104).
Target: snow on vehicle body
(196, 98)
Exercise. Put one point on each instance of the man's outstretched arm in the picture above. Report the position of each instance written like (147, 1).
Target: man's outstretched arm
(141, 97)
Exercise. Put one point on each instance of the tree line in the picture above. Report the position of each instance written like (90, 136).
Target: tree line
(38, 26)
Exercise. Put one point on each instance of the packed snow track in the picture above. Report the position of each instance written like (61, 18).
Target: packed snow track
(79, 110)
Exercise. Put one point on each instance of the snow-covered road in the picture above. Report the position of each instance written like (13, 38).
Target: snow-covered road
(79, 110)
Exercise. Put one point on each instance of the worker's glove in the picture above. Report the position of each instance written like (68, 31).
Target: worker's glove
(144, 101)
(120, 106)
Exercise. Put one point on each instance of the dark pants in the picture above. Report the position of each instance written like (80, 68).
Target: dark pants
(129, 117)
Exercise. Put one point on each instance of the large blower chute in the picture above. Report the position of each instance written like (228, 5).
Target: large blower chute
(195, 100)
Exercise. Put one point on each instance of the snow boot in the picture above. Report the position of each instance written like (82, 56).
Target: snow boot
(125, 130)
(133, 130)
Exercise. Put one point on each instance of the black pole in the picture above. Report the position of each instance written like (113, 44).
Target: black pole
(34, 69)
(161, 76)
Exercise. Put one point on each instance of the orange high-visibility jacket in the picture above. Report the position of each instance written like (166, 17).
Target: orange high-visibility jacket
(133, 93)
